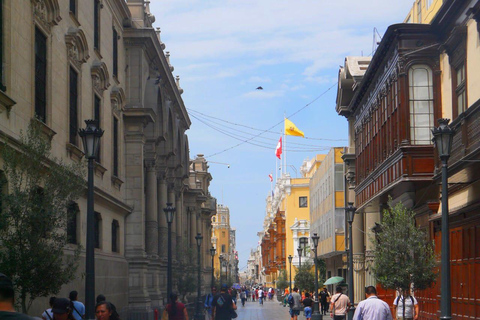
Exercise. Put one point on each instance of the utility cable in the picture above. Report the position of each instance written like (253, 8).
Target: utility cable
(278, 123)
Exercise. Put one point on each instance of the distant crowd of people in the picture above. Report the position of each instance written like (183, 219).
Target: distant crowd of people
(372, 308)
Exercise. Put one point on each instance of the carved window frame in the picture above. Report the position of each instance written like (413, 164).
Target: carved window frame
(456, 47)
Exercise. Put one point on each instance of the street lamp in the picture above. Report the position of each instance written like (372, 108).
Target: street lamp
(442, 139)
(91, 141)
(290, 261)
(299, 250)
(212, 253)
(350, 215)
(316, 308)
(198, 313)
(169, 212)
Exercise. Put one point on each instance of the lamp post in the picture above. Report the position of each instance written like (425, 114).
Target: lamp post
(212, 253)
(198, 313)
(169, 212)
(316, 308)
(442, 138)
(290, 261)
(299, 251)
(91, 140)
(350, 215)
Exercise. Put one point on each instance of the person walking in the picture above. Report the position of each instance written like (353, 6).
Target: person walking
(63, 309)
(223, 305)
(243, 297)
(176, 310)
(261, 295)
(208, 304)
(295, 304)
(48, 314)
(307, 303)
(105, 311)
(324, 300)
(7, 301)
(411, 309)
(339, 305)
(78, 307)
(372, 308)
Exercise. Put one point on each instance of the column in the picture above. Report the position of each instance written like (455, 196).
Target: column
(192, 216)
(151, 236)
(370, 219)
(358, 259)
(135, 222)
(162, 219)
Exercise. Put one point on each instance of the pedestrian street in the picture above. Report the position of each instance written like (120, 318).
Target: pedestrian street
(271, 310)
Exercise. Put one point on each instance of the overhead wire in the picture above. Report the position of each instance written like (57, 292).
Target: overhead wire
(249, 133)
(256, 143)
(270, 128)
(252, 128)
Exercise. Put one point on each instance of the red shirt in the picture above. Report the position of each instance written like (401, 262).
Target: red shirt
(179, 314)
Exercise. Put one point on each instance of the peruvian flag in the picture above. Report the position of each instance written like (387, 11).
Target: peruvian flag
(271, 177)
(278, 150)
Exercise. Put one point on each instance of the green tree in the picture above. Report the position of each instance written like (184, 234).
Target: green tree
(36, 192)
(404, 258)
(185, 272)
(322, 271)
(282, 281)
(305, 277)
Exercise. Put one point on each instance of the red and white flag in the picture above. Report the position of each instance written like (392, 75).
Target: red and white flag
(278, 150)
(271, 177)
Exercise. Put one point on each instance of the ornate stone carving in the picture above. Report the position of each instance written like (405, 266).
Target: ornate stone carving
(117, 99)
(77, 46)
(358, 262)
(46, 12)
(100, 76)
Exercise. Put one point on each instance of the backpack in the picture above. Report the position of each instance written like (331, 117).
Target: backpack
(290, 300)
(398, 299)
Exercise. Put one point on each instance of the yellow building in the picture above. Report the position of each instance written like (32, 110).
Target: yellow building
(221, 239)
(423, 11)
(327, 211)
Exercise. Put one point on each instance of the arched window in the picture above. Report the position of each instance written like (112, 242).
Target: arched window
(214, 219)
(421, 104)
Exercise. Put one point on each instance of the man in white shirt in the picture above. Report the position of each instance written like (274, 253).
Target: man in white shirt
(372, 308)
(411, 307)
(260, 296)
(340, 303)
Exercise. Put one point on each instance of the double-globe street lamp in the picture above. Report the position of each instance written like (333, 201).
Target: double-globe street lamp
(442, 139)
(299, 251)
(290, 261)
(212, 253)
(91, 141)
(198, 312)
(350, 215)
(169, 212)
(316, 308)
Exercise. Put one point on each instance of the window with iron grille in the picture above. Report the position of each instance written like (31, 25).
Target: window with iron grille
(115, 232)
(420, 79)
(73, 7)
(303, 202)
(460, 88)
(2, 85)
(115, 146)
(96, 25)
(303, 243)
(40, 75)
(115, 53)
(72, 213)
(96, 111)
(73, 106)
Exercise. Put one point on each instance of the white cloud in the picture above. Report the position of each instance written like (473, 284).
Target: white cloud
(262, 94)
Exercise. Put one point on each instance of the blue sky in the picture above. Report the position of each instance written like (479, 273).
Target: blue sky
(224, 50)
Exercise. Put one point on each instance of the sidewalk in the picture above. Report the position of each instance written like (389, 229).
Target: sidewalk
(271, 310)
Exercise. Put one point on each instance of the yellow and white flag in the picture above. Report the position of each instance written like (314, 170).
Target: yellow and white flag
(292, 130)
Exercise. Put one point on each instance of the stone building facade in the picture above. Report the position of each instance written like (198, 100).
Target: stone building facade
(64, 61)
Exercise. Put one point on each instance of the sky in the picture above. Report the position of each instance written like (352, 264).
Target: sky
(224, 50)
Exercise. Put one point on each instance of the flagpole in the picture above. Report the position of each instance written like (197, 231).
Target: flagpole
(285, 146)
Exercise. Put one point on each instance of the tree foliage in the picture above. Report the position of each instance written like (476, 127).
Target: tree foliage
(36, 191)
(185, 271)
(282, 281)
(305, 277)
(322, 270)
(404, 258)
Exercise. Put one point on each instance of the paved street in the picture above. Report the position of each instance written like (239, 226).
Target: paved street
(271, 310)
